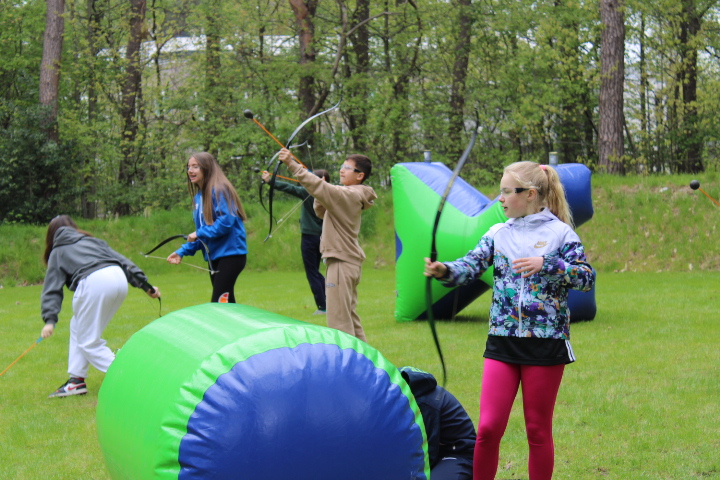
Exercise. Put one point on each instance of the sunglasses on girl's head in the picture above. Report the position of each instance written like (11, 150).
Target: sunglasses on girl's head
(345, 166)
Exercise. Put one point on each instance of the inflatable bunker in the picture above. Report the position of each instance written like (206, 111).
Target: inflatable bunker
(467, 216)
(227, 391)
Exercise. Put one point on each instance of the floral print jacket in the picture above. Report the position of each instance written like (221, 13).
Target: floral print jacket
(536, 306)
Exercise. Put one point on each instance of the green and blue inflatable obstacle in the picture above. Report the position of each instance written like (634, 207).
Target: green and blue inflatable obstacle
(467, 216)
(227, 391)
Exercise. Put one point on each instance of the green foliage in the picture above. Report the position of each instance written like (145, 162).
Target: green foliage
(532, 84)
(36, 175)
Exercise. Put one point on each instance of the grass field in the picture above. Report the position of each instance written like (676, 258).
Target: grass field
(641, 402)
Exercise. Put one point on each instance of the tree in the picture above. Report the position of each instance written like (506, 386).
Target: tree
(50, 66)
(611, 146)
(690, 140)
(459, 74)
(131, 93)
(357, 78)
(304, 11)
(213, 72)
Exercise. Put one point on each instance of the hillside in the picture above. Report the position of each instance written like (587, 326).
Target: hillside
(641, 224)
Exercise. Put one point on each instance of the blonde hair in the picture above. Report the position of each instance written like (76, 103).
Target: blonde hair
(546, 181)
(214, 180)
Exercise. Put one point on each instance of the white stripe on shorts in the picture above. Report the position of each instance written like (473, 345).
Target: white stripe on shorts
(571, 354)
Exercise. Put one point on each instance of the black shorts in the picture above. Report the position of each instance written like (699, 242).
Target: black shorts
(529, 351)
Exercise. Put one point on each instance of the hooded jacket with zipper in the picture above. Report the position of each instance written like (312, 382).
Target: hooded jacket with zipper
(75, 256)
(449, 429)
(536, 306)
(340, 207)
(225, 237)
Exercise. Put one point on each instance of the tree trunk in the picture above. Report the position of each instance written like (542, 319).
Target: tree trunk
(89, 208)
(459, 75)
(690, 144)
(644, 124)
(357, 117)
(213, 69)
(130, 94)
(304, 11)
(611, 147)
(50, 65)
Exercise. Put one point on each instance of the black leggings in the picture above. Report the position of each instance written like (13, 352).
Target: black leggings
(223, 281)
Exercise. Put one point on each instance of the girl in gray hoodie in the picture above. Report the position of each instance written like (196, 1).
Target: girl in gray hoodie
(98, 276)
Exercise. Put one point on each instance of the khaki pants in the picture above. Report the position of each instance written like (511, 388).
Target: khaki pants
(341, 281)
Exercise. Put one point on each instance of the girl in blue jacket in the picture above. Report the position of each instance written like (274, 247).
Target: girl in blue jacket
(537, 258)
(220, 229)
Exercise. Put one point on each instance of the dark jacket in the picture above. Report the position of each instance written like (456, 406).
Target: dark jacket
(75, 256)
(450, 432)
(310, 224)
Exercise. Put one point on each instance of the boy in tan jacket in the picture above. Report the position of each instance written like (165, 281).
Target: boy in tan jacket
(340, 207)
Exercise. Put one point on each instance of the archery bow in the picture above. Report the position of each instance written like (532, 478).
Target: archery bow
(433, 249)
(249, 114)
(167, 240)
(269, 165)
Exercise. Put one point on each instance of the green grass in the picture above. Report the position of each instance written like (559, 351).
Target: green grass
(640, 403)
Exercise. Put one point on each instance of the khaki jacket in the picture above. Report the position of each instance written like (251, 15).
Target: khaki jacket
(341, 208)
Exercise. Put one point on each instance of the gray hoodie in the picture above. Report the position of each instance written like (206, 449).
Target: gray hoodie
(75, 256)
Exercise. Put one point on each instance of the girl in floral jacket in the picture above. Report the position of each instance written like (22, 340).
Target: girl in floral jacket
(537, 258)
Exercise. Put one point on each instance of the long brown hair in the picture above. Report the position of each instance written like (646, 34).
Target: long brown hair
(53, 226)
(546, 181)
(214, 180)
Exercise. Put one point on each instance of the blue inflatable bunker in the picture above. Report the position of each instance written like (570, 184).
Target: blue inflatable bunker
(227, 391)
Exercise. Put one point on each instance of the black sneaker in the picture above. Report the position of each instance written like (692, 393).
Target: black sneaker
(74, 386)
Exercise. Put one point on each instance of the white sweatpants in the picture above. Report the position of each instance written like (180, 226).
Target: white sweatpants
(97, 298)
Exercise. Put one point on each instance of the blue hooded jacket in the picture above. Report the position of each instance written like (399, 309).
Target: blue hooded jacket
(225, 237)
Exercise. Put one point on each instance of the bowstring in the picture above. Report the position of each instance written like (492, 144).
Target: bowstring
(186, 264)
(148, 299)
(289, 213)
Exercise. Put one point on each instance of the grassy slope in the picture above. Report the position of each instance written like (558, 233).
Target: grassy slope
(641, 224)
(653, 224)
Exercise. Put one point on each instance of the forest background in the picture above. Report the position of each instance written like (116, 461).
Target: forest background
(102, 101)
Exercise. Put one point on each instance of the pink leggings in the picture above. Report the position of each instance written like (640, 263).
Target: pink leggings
(500, 384)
